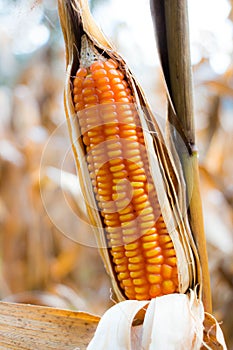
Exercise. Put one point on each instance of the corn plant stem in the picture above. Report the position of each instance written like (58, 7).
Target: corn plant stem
(170, 19)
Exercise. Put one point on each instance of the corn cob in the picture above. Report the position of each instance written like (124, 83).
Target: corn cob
(133, 188)
(141, 249)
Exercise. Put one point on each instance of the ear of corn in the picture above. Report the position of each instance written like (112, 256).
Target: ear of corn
(141, 249)
(135, 196)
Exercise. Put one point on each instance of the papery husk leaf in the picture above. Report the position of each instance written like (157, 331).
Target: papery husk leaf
(175, 322)
(76, 21)
(115, 329)
(172, 322)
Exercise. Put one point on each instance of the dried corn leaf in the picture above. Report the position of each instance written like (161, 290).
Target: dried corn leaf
(35, 327)
(213, 338)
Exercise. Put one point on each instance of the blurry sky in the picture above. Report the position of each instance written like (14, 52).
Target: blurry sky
(211, 32)
(27, 25)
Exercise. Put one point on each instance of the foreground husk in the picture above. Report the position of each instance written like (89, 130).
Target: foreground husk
(27, 327)
(172, 322)
(166, 172)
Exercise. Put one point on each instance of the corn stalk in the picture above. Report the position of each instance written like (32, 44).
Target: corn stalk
(170, 19)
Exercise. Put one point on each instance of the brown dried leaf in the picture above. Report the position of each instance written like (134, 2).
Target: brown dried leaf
(36, 327)
(211, 334)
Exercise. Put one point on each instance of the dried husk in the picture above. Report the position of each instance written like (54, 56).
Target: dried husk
(172, 322)
(76, 21)
(28, 327)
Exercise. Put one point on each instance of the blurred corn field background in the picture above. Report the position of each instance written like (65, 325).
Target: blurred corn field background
(47, 252)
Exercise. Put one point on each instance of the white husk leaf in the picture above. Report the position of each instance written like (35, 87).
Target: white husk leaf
(175, 322)
(172, 322)
(115, 327)
(220, 336)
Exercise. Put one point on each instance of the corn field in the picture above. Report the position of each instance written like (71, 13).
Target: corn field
(48, 255)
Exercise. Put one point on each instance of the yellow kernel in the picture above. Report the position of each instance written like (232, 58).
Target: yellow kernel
(82, 72)
(140, 281)
(121, 261)
(151, 238)
(168, 253)
(138, 192)
(154, 278)
(128, 224)
(147, 232)
(127, 282)
(166, 271)
(126, 210)
(147, 224)
(130, 232)
(149, 245)
(153, 253)
(127, 217)
(156, 260)
(96, 66)
(136, 259)
(117, 168)
(171, 261)
(140, 199)
(123, 276)
(114, 154)
(129, 239)
(137, 184)
(155, 290)
(135, 267)
(120, 204)
(132, 253)
(164, 239)
(142, 296)
(136, 274)
(100, 73)
(152, 268)
(111, 130)
(168, 245)
(88, 91)
(141, 178)
(115, 161)
(117, 255)
(120, 174)
(168, 287)
(120, 268)
(148, 217)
